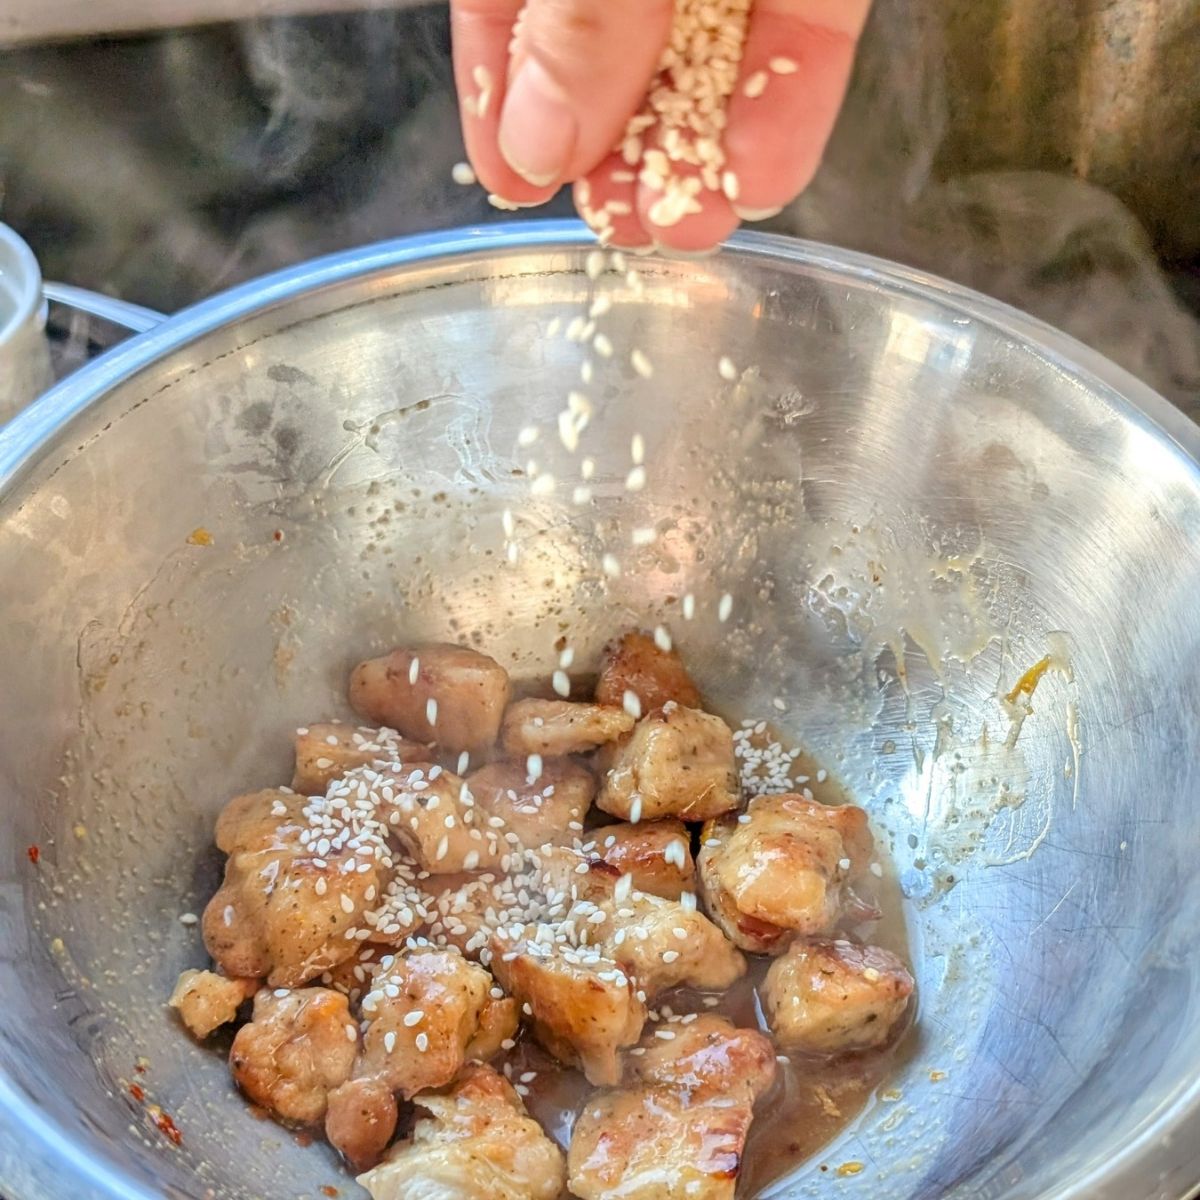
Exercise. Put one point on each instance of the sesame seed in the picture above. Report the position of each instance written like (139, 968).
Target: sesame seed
(507, 1044)
(662, 639)
(561, 683)
(442, 847)
(587, 468)
(784, 66)
(471, 860)
(528, 436)
(689, 606)
(666, 1034)
(669, 956)
(533, 768)
(422, 1042)
(631, 704)
(876, 870)
(755, 85)
(586, 371)
(844, 864)
(637, 449)
(506, 520)
(610, 566)
(635, 810)
(726, 369)
(730, 185)
(351, 1034)
(602, 345)
(822, 775)
(688, 901)
(346, 903)
(581, 494)
(636, 479)
(643, 535)
(724, 608)
(389, 1041)
(320, 886)
(641, 364)
(414, 667)
(600, 306)
(594, 264)
(431, 710)
(414, 1018)
(188, 918)
(543, 485)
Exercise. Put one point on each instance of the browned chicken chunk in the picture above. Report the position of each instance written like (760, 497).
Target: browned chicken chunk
(657, 854)
(205, 1000)
(678, 1132)
(561, 727)
(284, 907)
(677, 763)
(329, 751)
(440, 693)
(537, 811)
(423, 1012)
(583, 1006)
(633, 663)
(297, 1047)
(782, 869)
(478, 1143)
(825, 997)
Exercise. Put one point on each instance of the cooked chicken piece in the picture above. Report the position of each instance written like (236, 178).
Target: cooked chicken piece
(572, 875)
(560, 727)
(663, 945)
(260, 819)
(584, 1007)
(678, 762)
(657, 854)
(281, 914)
(297, 1047)
(477, 1144)
(498, 1023)
(432, 812)
(327, 752)
(205, 1000)
(635, 664)
(548, 809)
(446, 694)
(782, 868)
(423, 1011)
(825, 997)
(679, 1133)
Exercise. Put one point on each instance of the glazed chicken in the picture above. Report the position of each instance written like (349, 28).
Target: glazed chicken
(785, 867)
(561, 727)
(584, 1008)
(678, 762)
(478, 1143)
(284, 908)
(297, 1048)
(678, 1130)
(633, 663)
(446, 694)
(329, 751)
(431, 812)
(825, 997)
(537, 811)
(205, 1000)
(423, 1013)
(657, 854)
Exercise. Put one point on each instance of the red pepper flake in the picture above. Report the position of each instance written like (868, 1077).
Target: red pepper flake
(303, 1139)
(168, 1128)
(137, 1092)
(35, 854)
(140, 1069)
(278, 535)
(329, 1190)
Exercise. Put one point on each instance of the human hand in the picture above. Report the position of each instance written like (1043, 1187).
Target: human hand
(547, 88)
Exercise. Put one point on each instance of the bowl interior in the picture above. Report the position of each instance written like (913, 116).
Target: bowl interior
(911, 506)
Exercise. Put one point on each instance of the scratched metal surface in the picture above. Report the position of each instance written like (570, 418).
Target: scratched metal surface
(913, 495)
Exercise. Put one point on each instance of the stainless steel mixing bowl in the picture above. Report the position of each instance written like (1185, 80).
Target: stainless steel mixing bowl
(913, 494)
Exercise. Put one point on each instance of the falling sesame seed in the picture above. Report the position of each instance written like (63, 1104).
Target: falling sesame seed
(188, 918)
(637, 449)
(422, 1042)
(528, 435)
(533, 768)
(644, 535)
(594, 264)
(755, 85)
(779, 704)
(587, 468)
(636, 479)
(724, 608)
(730, 185)
(554, 326)
(581, 494)
(414, 670)
(687, 901)
(726, 369)
(600, 306)
(586, 371)
(784, 66)
(509, 525)
(689, 606)
(641, 364)
(602, 345)
(610, 566)
(512, 552)
(462, 174)
(876, 870)
(635, 810)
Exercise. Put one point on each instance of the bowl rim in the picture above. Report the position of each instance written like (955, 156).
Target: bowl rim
(26, 1133)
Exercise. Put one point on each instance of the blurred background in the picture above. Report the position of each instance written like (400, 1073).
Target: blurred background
(1045, 153)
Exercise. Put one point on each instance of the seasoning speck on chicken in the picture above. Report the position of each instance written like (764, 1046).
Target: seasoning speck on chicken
(294, 1051)
(287, 901)
(560, 727)
(678, 762)
(549, 809)
(680, 1128)
(826, 997)
(457, 698)
(205, 1000)
(786, 869)
(583, 1006)
(635, 663)
(478, 1141)
(657, 855)
(327, 752)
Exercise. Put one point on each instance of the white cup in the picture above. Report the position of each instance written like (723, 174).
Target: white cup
(25, 370)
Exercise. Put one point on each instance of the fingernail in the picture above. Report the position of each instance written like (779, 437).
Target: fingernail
(537, 127)
(756, 214)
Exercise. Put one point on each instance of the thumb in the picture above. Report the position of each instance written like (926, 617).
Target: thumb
(579, 71)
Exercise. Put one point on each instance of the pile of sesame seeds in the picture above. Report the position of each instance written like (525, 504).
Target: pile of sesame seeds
(764, 764)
